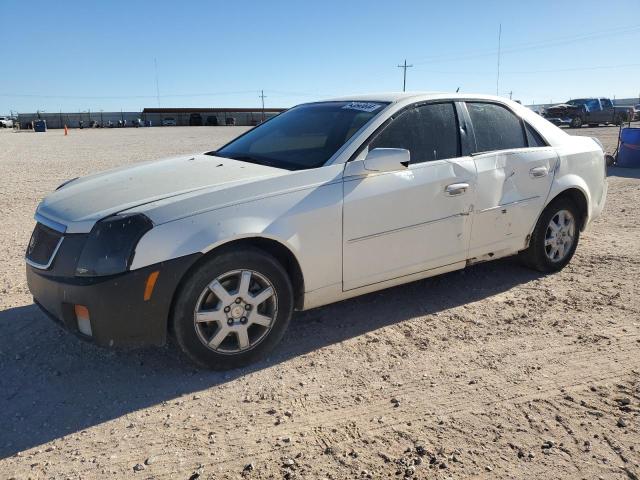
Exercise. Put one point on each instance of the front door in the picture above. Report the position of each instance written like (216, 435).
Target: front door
(405, 222)
(595, 114)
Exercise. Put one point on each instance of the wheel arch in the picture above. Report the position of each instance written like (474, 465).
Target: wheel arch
(579, 198)
(277, 249)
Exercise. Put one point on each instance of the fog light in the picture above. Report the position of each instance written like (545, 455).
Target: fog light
(82, 316)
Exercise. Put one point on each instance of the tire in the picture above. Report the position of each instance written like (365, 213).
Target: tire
(576, 122)
(197, 299)
(538, 254)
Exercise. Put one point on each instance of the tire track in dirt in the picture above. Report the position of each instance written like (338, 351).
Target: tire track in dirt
(319, 421)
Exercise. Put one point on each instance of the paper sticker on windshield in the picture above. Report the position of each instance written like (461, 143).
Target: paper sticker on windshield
(362, 106)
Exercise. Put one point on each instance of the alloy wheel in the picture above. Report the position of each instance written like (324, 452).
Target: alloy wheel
(560, 236)
(236, 311)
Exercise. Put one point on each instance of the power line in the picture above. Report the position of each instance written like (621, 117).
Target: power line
(532, 45)
(404, 74)
(117, 97)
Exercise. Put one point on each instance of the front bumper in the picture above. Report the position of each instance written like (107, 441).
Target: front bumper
(119, 314)
(558, 121)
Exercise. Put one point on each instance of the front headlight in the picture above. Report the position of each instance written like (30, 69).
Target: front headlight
(111, 245)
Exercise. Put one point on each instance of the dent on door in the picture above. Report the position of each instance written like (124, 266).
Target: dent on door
(513, 187)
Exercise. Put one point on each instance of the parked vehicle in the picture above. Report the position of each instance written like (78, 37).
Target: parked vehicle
(326, 201)
(591, 111)
(636, 115)
(6, 122)
(169, 122)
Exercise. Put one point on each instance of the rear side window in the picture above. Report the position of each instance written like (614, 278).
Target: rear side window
(533, 138)
(496, 127)
(429, 132)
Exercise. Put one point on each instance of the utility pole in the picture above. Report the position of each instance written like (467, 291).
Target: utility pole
(404, 74)
(155, 65)
(262, 97)
(510, 94)
(499, 45)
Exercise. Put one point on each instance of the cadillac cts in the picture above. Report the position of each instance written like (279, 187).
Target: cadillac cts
(326, 201)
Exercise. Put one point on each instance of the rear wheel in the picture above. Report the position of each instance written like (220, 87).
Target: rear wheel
(555, 237)
(233, 309)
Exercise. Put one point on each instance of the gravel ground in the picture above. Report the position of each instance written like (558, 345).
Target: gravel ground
(494, 371)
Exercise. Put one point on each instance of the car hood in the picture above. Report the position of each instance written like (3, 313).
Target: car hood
(563, 106)
(82, 202)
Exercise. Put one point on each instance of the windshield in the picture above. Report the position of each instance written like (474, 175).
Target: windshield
(578, 101)
(302, 137)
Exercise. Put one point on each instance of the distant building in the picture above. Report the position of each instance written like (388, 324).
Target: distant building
(209, 116)
(181, 116)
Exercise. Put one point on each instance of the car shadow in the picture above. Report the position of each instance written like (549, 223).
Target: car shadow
(53, 384)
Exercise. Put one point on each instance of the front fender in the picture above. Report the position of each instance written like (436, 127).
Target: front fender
(307, 222)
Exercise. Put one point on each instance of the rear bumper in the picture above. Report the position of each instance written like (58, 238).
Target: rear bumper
(119, 314)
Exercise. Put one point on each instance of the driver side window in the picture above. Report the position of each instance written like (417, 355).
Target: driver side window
(429, 132)
(593, 105)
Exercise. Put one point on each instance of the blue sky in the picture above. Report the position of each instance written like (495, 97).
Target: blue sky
(75, 56)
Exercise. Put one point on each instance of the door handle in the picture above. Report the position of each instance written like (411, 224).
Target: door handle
(456, 189)
(539, 172)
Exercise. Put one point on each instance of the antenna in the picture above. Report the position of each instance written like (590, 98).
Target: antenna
(404, 75)
(499, 45)
(155, 65)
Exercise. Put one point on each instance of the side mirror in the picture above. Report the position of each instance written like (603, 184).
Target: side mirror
(387, 160)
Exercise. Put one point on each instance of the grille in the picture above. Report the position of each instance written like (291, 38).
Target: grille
(42, 246)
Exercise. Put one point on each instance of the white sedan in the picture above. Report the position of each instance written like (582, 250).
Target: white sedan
(326, 201)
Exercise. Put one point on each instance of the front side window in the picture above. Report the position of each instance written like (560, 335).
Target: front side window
(592, 105)
(302, 137)
(429, 132)
(495, 127)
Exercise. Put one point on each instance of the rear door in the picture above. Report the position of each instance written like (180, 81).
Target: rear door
(404, 222)
(515, 170)
(608, 113)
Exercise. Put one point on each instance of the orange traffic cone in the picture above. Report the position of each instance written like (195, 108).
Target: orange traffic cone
(66, 131)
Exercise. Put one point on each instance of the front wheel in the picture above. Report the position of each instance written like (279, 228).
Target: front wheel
(555, 237)
(233, 309)
(576, 122)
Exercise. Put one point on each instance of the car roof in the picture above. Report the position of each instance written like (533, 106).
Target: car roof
(392, 97)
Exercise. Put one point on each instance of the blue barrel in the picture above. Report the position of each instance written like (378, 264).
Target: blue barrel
(40, 126)
(629, 153)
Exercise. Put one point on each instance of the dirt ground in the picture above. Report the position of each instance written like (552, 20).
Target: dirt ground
(491, 372)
